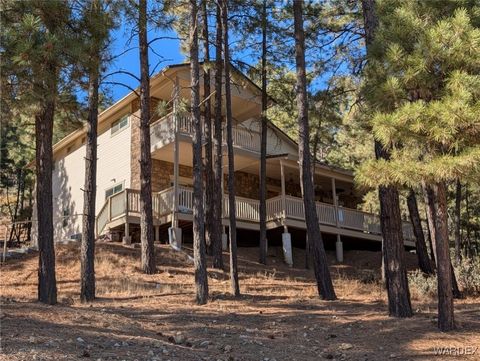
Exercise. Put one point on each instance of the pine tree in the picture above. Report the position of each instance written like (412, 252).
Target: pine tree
(146, 208)
(208, 168)
(96, 22)
(199, 256)
(36, 63)
(235, 288)
(399, 304)
(263, 142)
(322, 273)
(427, 73)
(218, 143)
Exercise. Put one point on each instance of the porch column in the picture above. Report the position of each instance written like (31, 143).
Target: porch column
(174, 232)
(157, 234)
(282, 180)
(286, 237)
(338, 244)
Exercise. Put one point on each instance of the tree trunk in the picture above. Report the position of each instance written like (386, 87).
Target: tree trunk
(263, 143)
(209, 182)
(146, 211)
(444, 269)
(430, 212)
(390, 218)
(47, 284)
(218, 142)
(87, 253)
(458, 208)
(201, 282)
(431, 215)
(424, 261)
(322, 273)
(235, 288)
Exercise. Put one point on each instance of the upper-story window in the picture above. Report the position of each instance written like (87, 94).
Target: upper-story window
(118, 125)
(113, 190)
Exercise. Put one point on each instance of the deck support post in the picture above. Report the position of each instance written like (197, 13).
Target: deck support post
(224, 239)
(287, 246)
(339, 249)
(126, 238)
(157, 233)
(174, 232)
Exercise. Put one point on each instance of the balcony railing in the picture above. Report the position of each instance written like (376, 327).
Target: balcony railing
(127, 203)
(162, 132)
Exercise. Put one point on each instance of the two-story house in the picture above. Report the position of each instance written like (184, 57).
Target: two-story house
(118, 178)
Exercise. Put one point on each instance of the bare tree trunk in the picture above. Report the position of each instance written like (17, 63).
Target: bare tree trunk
(235, 288)
(146, 209)
(218, 142)
(47, 284)
(263, 143)
(424, 261)
(322, 273)
(431, 215)
(209, 185)
(458, 208)
(430, 212)
(399, 304)
(446, 320)
(201, 282)
(87, 253)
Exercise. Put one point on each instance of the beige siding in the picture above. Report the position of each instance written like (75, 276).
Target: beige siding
(69, 175)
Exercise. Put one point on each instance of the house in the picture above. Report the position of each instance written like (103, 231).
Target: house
(118, 174)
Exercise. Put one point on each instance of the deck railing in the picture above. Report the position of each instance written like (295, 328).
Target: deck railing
(162, 133)
(127, 203)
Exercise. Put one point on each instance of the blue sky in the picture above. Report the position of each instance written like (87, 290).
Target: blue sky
(169, 49)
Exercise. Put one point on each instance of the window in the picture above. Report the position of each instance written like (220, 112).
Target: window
(118, 125)
(114, 190)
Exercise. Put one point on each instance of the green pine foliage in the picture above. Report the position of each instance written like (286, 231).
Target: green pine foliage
(424, 85)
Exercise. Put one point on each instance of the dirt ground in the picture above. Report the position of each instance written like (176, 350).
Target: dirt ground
(278, 317)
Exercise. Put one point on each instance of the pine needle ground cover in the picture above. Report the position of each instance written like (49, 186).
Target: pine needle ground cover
(279, 316)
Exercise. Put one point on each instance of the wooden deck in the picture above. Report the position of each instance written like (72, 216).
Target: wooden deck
(124, 207)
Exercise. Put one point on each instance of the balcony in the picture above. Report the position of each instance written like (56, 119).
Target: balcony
(127, 203)
(162, 132)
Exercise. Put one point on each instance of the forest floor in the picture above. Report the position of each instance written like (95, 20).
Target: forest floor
(278, 317)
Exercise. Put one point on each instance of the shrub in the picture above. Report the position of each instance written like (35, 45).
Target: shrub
(422, 284)
(468, 275)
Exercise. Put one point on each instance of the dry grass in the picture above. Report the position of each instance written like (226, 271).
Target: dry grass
(278, 316)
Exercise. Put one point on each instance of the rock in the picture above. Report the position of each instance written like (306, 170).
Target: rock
(393, 355)
(345, 346)
(204, 344)
(251, 329)
(179, 339)
(227, 348)
(32, 339)
(81, 340)
(116, 344)
(157, 344)
(125, 344)
(150, 353)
